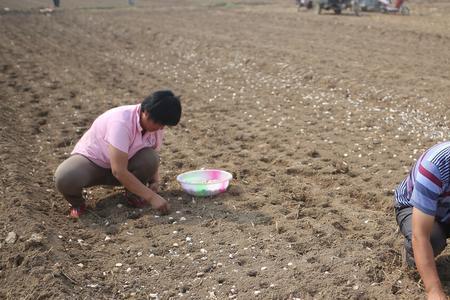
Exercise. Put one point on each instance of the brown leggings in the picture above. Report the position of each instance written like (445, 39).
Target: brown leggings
(77, 172)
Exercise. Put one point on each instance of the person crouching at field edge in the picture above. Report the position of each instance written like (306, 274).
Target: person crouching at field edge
(422, 205)
(121, 148)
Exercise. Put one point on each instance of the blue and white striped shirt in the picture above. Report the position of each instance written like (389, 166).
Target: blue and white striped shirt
(427, 187)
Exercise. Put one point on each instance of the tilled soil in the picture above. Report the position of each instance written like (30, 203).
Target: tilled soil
(318, 118)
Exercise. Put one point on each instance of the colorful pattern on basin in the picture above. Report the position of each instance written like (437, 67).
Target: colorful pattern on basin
(204, 182)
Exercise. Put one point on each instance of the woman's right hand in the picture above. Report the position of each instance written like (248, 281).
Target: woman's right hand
(160, 204)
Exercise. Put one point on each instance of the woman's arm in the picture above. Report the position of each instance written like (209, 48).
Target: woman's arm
(119, 168)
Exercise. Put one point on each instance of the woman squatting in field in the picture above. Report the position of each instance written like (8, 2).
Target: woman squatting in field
(120, 148)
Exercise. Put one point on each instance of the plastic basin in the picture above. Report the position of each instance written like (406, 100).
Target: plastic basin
(204, 182)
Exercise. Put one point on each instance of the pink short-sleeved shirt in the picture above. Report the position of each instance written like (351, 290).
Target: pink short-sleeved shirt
(120, 128)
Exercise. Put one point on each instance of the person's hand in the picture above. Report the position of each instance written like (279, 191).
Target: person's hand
(437, 295)
(160, 204)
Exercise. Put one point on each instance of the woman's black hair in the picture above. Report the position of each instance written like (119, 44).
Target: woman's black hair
(163, 107)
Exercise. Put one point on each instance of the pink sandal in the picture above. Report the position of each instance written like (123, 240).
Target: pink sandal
(77, 212)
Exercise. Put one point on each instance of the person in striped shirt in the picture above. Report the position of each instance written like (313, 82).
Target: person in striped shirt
(422, 205)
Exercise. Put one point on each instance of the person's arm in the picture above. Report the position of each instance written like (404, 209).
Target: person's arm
(119, 168)
(422, 224)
